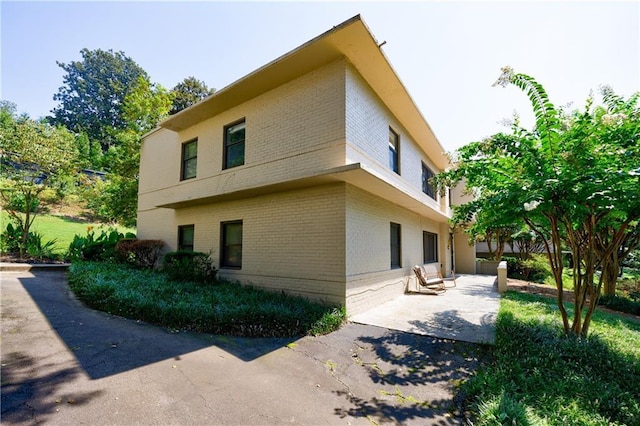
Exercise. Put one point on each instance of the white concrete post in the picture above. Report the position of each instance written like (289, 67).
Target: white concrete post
(502, 276)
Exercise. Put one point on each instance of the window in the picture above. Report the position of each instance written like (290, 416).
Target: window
(395, 245)
(189, 160)
(234, 145)
(430, 247)
(231, 233)
(427, 187)
(394, 151)
(185, 237)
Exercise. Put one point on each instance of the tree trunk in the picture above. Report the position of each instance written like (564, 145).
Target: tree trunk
(610, 272)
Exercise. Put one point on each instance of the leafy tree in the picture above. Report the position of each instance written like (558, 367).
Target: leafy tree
(188, 92)
(92, 98)
(35, 155)
(116, 198)
(574, 180)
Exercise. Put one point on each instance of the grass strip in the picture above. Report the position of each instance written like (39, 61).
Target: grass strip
(541, 377)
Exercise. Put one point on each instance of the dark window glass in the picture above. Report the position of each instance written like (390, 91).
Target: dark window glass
(231, 244)
(234, 145)
(427, 187)
(430, 247)
(394, 150)
(185, 237)
(395, 246)
(189, 159)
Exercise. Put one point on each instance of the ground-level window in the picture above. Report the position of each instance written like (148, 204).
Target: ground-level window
(234, 136)
(231, 242)
(189, 160)
(394, 151)
(185, 237)
(395, 246)
(427, 187)
(430, 247)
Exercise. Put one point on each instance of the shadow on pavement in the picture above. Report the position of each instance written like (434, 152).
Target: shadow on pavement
(23, 379)
(408, 362)
(104, 344)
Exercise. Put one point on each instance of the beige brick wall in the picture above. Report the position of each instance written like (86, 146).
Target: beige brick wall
(291, 131)
(367, 134)
(292, 241)
(370, 279)
(328, 242)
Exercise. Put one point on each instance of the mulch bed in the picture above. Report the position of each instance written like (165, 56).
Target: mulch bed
(15, 258)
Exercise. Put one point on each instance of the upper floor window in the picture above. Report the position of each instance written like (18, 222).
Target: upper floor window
(186, 237)
(189, 160)
(395, 246)
(394, 151)
(427, 187)
(429, 247)
(231, 242)
(234, 144)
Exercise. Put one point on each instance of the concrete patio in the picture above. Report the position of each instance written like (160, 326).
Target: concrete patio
(466, 312)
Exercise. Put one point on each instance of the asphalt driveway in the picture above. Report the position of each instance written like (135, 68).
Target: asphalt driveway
(63, 363)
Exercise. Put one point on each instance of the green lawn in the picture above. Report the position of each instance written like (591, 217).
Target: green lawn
(62, 229)
(540, 377)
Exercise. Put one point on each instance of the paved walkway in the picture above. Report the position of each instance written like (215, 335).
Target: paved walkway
(466, 312)
(63, 363)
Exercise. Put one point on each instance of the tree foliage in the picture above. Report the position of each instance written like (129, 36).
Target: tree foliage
(35, 155)
(116, 198)
(188, 92)
(574, 180)
(93, 94)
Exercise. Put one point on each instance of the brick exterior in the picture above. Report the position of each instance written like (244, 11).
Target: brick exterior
(327, 241)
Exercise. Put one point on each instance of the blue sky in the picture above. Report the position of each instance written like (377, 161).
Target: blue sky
(447, 53)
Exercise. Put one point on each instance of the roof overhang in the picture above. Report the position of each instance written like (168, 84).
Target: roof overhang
(353, 174)
(351, 40)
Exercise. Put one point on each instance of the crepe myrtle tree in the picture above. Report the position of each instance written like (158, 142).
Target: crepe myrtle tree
(574, 180)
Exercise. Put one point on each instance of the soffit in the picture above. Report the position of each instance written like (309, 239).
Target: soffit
(354, 174)
(351, 40)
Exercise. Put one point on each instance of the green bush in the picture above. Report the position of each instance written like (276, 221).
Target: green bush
(183, 266)
(227, 308)
(17, 202)
(621, 304)
(535, 269)
(11, 240)
(139, 253)
(102, 247)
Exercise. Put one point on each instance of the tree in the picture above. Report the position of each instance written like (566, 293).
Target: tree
(92, 98)
(116, 198)
(34, 156)
(188, 92)
(574, 181)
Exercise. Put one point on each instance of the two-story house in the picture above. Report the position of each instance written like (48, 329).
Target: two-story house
(310, 176)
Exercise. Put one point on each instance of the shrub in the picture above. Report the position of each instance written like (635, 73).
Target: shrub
(11, 240)
(193, 266)
(139, 253)
(17, 202)
(621, 304)
(227, 308)
(96, 248)
(535, 269)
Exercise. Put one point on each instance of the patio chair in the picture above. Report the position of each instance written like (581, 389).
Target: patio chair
(429, 279)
